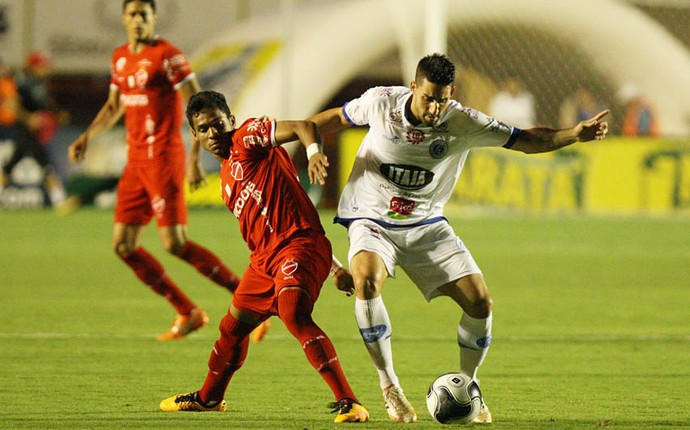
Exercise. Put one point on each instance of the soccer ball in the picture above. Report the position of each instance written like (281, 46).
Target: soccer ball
(453, 398)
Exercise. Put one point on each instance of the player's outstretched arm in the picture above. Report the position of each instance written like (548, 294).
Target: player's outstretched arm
(308, 134)
(330, 121)
(542, 139)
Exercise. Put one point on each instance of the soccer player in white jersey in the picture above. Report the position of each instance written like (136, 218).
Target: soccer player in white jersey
(404, 173)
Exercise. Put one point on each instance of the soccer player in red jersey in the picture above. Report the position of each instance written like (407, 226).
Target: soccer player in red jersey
(148, 76)
(290, 254)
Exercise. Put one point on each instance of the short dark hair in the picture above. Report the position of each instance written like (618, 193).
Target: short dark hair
(151, 2)
(436, 68)
(206, 100)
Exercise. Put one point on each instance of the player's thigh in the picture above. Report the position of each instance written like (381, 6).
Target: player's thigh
(304, 262)
(132, 205)
(434, 256)
(367, 238)
(255, 293)
(164, 183)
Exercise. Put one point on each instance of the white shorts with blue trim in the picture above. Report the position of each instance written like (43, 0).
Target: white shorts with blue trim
(431, 255)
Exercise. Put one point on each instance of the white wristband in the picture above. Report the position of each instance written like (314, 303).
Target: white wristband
(314, 148)
(335, 265)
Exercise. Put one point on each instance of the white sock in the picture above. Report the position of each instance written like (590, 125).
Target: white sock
(474, 337)
(375, 328)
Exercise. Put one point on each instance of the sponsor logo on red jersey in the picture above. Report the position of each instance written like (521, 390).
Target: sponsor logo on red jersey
(252, 139)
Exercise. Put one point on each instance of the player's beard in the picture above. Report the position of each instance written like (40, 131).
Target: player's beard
(142, 35)
(143, 39)
(430, 120)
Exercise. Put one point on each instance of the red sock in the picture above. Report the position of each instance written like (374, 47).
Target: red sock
(294, 309)
(151, 272)
(209, 265)
(227, 357)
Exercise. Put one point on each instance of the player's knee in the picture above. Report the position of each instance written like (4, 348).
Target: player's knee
(296, 321)
(481, 307)
(122, 249)
(367, 287)
(294, 309)
(173, 246)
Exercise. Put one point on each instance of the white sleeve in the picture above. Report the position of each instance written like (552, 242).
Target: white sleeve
(359, 111)
(487, 131)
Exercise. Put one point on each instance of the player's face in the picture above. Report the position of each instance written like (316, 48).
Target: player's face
(212, 129)
(139, 20)
(429, 100)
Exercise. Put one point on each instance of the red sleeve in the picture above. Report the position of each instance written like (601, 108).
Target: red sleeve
(176, 66)
(255, 135)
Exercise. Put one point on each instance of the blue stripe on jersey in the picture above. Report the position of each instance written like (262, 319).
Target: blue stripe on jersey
(347, 117)
(513, 138)
(346, 222)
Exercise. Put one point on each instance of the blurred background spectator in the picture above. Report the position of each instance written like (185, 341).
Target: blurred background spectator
(513, 104)
(44, 116)
(36, 122)
(94, 181)
(580, 106)
(640, 118)
(9, 103)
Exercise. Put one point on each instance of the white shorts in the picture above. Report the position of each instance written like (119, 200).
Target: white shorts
(431, 255)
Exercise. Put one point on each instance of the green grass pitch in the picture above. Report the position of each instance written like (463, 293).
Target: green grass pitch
(591, 329)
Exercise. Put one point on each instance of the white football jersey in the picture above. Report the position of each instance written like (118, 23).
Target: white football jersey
(403, 174)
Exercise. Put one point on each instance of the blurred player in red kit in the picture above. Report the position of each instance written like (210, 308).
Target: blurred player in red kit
(291, 256)
(149, 79)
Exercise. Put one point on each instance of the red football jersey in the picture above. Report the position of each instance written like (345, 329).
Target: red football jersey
(260, 186)
(148, 84)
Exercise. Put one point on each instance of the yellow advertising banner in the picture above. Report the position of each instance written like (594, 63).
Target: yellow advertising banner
(205, 196)
(615, 176)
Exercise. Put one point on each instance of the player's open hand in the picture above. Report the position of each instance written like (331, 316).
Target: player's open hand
(594, 128)
(343, 281)
(77, 150)
(317, 169)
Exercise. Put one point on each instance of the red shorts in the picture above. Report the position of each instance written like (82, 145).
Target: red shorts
(152, 189)
(303, 261)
